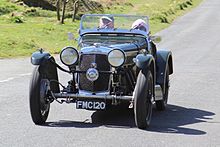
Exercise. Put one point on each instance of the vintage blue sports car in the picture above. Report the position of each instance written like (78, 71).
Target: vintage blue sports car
(115, 62)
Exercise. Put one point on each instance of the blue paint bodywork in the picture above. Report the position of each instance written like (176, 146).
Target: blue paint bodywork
(38, 57)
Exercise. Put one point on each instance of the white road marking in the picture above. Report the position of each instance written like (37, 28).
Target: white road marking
(15, 77)
(25, 74)
(8, 79)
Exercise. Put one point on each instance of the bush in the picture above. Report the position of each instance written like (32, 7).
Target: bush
(162, 17)
(5, 9)
(31, 12)
(17, 19)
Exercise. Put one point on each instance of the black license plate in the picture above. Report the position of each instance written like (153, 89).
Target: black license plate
(90, 105)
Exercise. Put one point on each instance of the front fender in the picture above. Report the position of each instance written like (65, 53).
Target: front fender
(143, 61)
(38, 57)
(146, 62)
(163, 61)
(47, 69)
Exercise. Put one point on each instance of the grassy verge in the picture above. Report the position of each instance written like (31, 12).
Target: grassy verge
(24, 39)
(161, 12)
(23, 30)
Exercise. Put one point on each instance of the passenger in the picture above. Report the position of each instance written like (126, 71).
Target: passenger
(106, 22)
(140, 24)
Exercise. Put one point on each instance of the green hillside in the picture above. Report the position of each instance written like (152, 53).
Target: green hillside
(24, 29)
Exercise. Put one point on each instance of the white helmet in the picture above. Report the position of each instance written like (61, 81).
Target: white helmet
(140, 24)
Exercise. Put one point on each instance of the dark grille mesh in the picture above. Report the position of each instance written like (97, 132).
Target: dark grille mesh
(101, 84)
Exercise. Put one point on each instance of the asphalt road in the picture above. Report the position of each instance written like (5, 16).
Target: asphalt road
(191, 119)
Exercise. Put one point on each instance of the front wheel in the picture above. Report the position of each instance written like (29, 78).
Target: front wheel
(39, 104)
(142, 99)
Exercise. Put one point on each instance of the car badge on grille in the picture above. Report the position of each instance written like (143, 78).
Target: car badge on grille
(93, 65)
(92, 74)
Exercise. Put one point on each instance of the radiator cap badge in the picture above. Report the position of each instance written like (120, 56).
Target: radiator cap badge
(93, 65)
(92, 74)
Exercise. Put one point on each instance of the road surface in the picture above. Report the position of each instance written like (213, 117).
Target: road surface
(191, 119)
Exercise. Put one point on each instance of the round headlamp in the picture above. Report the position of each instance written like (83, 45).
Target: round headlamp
(69, 56)
(116, 57)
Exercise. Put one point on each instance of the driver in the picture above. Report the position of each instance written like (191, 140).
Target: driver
(106, 22)
(140, 24)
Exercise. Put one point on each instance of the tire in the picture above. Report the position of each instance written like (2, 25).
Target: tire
(39, 106)
(143, 94)
(161, 104)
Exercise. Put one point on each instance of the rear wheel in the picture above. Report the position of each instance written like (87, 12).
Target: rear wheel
(142, 99)
(39, 104)
(161, 104)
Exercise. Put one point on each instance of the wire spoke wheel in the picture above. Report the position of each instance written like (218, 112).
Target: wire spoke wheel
(39, 103)
(148, 102)
(44, 103)
(142, 99)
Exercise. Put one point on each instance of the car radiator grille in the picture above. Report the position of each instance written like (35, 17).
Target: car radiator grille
(102, 83)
